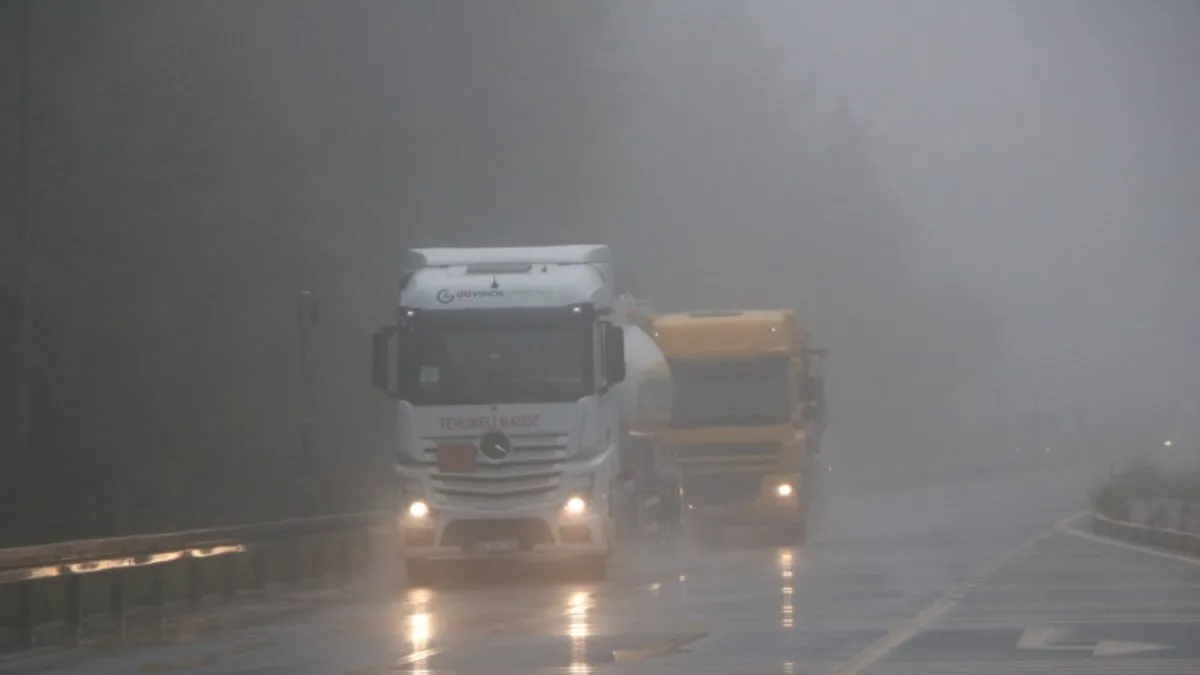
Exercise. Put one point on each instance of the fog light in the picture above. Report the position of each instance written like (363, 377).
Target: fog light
(418, 510)
(575, 506)
(783, 490)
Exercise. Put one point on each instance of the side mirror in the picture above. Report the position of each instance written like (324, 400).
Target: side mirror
(383, 367)
(814, 389)
(614, 354)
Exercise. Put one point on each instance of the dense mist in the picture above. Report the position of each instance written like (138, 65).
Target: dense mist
(975, 206)
(1046, 150)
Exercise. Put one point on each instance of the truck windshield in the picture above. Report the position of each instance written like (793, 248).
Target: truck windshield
(478, 363)
(749, 392)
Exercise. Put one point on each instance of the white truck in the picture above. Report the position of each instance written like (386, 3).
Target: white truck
(504, 364)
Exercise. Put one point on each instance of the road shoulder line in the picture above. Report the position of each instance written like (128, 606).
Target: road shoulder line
(922, 620)
(1068, 527)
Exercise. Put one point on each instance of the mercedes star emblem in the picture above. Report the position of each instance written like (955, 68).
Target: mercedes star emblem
(495, 445)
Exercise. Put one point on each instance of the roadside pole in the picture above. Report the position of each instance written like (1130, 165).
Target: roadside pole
(307, 316)
(24, 352)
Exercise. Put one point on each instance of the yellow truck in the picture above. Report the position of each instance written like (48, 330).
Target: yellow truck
(746, 419)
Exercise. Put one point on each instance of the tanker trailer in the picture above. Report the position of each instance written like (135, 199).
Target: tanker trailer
(650, 492)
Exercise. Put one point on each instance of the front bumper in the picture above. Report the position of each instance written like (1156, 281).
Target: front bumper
(766, 507)
(548, 554)
(751, 514)
(533, 537)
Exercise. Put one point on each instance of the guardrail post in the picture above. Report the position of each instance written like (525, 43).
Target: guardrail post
(312, 549)
(318, 558)
(195, 583)
(343, 556)
(259, 571)
(74, 612)
(368, 551)
(27, 614)
(228, 577)
(290, 564)
(116, 601)
(156, 593)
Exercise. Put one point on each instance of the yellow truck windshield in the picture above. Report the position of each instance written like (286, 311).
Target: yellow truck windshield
(731, 393)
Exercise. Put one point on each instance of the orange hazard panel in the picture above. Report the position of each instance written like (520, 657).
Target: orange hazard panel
(456, 458)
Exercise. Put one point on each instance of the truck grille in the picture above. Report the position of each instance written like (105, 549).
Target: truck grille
(725, 489)
(530, 470)
(759, 456)
(529, 532)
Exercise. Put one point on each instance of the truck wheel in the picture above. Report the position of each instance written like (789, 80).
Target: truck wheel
(793, 534)
(420, 572)
(593, 568)
(800, 533)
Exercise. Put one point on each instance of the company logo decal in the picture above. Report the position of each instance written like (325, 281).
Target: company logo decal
(447, 296)
(486, 423)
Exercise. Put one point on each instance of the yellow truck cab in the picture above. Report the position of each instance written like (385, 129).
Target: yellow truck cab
(746, 416)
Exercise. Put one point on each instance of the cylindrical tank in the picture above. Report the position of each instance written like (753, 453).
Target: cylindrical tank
(645, 395)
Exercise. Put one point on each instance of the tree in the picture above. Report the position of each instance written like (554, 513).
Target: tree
(197, 164)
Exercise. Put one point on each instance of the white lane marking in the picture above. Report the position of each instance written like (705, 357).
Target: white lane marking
(1067, 527)
(1156, 666)
(1046, 638)
(1125, 648)
(919, 622)
(675, 643)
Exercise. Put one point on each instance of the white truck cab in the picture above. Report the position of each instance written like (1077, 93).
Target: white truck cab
(503, 363)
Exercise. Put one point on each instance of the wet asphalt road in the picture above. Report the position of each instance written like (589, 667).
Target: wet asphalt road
(958, 575)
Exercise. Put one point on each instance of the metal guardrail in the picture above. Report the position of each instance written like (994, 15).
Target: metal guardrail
(1174, 540)
(332, 544)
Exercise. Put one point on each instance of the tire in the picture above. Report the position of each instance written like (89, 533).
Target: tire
(793, 533)
(593, 568)
(800, 533)
(420, 572)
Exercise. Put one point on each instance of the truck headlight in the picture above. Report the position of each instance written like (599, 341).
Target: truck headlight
(418, 510)
(783, 490)
(575, 506)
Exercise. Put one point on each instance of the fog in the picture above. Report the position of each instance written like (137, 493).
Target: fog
(976, 206)
(1047, 150)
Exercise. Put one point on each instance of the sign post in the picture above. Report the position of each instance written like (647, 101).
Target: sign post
(306, 316)
(24, 322)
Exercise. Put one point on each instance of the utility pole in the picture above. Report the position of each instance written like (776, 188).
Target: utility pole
(306, 316)
(24, 247)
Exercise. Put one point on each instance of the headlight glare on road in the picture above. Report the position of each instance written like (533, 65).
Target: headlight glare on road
(418, 510)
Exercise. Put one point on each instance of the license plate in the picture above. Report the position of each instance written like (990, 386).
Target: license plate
(498, 546)
(456, 458)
